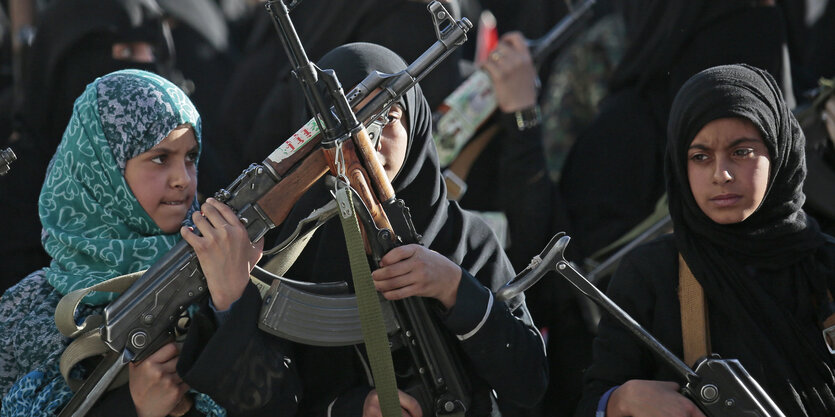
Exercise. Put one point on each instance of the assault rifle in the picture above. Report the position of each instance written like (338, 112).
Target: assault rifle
(144, 316)
(719, 387)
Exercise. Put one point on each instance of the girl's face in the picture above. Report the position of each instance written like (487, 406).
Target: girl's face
(728, 166)
(391, 149)
(164, 178)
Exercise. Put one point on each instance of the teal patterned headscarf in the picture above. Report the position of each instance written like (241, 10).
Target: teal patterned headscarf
(93, 227)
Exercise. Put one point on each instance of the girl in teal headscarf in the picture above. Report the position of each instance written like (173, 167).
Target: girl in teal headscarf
(117, 190)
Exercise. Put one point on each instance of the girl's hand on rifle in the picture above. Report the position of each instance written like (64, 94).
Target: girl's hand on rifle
(225, 252)
(640, 398)
(408, 405)
(411, 270)
(511, 69)
(154, 385)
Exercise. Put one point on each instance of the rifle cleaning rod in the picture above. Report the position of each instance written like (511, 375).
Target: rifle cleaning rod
(582, 284)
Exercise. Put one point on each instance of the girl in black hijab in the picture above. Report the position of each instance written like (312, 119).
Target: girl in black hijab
(449, 233)
(735, 169)
(670, 41)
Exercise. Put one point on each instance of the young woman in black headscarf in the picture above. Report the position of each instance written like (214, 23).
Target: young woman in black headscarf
(734, 172)
(502, 349)
(619, 155)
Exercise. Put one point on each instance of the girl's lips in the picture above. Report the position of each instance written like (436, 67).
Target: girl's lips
(725, 200)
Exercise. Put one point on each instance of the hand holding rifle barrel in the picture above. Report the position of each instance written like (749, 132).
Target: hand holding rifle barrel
(719, 387)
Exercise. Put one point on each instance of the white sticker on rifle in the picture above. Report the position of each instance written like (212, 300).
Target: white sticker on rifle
(299, 139)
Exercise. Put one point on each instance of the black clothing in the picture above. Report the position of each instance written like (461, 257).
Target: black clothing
(242, 369)
(619, 156)
(777, 236)
(646, 287)
(519, 378)
(510, 176)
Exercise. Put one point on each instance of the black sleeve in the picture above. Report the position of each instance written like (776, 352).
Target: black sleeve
(116, 402)
(246, 371)
(525, 191)
(503, 347)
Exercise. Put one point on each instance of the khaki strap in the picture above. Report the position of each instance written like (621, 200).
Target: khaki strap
(88, 342)
(284, 259)
(456, 174)
(370, 310)
(65, 311)
(694, 326)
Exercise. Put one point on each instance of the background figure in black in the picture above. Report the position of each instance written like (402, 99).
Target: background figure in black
(613, 177)
(76, 42)
(810, 29)
(263, 103)
(509, 179)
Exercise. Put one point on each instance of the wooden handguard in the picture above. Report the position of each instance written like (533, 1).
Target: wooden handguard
(278, 202)
(378, 177)
(361, 181)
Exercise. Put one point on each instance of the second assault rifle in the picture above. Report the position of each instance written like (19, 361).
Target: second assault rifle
(719, 387)
(144, 317)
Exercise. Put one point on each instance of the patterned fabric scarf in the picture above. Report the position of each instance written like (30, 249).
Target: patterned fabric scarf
(93, 227)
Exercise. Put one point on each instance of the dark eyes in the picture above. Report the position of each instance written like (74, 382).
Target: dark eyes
(738, 153)
(162, 158)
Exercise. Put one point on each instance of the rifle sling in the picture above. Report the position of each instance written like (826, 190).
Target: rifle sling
(371, 314)
(695, 332)
(293, 246)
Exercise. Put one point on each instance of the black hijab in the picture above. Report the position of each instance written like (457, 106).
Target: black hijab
(671, 40)
(445, 227)
(779, 235)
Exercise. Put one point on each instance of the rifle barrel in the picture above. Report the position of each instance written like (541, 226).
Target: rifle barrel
(555, 37)
(578, 280)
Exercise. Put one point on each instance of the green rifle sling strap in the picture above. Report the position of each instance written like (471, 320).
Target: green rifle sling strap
(370, 311)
